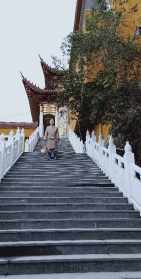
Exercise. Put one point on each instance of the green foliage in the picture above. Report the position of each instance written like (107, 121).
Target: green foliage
(114, 95)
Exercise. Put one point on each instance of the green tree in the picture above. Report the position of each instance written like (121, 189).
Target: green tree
(113, 94)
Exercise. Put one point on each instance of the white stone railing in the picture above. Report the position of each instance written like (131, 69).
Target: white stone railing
(11, 148)
(121, 170)
(76, 143)
(31, 143)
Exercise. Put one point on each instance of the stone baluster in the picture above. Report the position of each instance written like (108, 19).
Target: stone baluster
(22, 140)
(93, 136)
(112, 155)
(10, 145)
(129, 160)
(2, 152)
(41, 124)
(27, 146)
(18, 140)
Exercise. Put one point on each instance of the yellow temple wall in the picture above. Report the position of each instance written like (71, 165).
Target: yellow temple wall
(72, 121)
(130, 20)
(6, 131)
(131, 17)
(103, 130)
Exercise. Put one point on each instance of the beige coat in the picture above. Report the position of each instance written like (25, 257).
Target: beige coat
(52, 136)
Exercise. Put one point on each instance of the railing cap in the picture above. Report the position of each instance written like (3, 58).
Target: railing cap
(128, 147)
(128, 154)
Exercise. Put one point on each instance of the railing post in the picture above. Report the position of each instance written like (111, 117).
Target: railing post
(129, 161)
(27, 146)
(100, 140)
(88, 143)
(10, 143)
(41, 124)
(81, 146)
(90, 146)
(100, 146)
(92, 143)
(22, 140)
(112, 154)
(18, 139)
(93, 136)
(2, 151)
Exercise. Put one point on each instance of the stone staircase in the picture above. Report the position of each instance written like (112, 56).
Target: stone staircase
(65, 216)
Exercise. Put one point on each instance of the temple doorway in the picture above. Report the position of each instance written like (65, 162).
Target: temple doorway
(46, 119)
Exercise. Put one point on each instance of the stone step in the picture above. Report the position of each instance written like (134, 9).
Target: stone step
(64, 162)
(60, 162)
(54, 178)
(71, 263)
(60, 165)
(69, 157)
(16, 235)
(54, 167)
(65, 206)
(61, 153)
(62, 158)
(72, 165)
(56, 182)
(68, 189)
(73, 247)
(70, 223)
(52, 184)
(51, 164)
(72, 214)
(43, 194)
(93, 179)
(49, 175)
(67, 154)
(50, 170)
(107, 200)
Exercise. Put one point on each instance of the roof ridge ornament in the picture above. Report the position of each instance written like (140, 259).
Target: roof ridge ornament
(23, 77)
(41, 59)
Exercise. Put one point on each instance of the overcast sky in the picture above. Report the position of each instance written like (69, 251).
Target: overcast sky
(28, 28)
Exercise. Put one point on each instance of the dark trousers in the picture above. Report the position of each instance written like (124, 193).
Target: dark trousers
(52, 154)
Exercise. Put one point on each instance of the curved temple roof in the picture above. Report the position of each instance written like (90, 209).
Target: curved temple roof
(32, 88)
(36, 95)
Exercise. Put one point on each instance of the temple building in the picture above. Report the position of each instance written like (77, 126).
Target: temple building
(44, 101)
